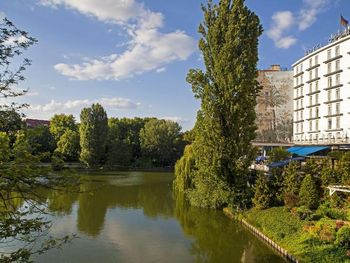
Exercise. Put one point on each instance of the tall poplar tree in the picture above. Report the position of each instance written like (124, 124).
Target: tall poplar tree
(227, 90)
(93, 135)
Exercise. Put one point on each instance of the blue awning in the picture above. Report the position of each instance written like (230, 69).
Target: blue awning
(306, 150)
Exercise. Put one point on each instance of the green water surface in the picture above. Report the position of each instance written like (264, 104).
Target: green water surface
(133, 217)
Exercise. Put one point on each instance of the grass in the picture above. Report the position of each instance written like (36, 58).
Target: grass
(289, 232)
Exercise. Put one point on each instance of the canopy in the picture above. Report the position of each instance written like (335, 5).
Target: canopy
(306, 150)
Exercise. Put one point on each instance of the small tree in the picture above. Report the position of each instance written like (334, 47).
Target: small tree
(68, 145)
(308, 195)
(59, 123)
(262, 192)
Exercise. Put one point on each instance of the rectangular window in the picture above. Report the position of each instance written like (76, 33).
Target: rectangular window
(310, 62)
(316, 125)
(317, 112)
(310, 74)
(317, 98)
(337, 121)
(310, 113)
(329, 95)
(301, 115)
(316, 88)
(296, 81)
(297, 93)
(329, 67)
(301, 91)
(301, 79)
(337, 94)
(310, 100)
(297, 104)
(337, 51)
(310, 87)
(301, 102)
(329, 109)
(310, 125)
(329, 123)
(337, 79)
(316, 59)
(329, 54)
(316, 73)
(337, 64)
(302, 127)
(329, 82)
(297, 127)
(337, 108)
(301, 67)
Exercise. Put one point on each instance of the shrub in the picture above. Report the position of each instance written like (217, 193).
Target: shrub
(263, 196)
(343, 237)
(308, 195)
(303, 212)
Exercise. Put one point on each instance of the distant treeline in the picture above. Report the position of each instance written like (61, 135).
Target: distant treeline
(100, 141)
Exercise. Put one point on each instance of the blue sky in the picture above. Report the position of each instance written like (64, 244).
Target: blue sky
(133, 56)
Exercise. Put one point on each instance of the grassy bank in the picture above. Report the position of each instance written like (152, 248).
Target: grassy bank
(298, 236)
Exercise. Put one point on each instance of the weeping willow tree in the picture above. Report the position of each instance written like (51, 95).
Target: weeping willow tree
(227, 89)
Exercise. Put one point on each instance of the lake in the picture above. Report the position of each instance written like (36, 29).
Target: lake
(134, 217)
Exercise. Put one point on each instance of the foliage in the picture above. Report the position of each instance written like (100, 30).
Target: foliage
(40, 140)
(262, 192)
(291, 185)
(57, 162)
(343, 236)
(308, 194)
(68, 145)
(184, 168)
(60, 123)
(10, 122)
(227, 90)
(159, 141)
(278, 154)
(93, 131)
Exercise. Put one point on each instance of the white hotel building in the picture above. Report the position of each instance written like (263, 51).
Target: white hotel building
(322, 94)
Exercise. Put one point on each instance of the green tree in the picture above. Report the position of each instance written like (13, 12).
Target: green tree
(309, 195)
(59, 123)
(278, 154)
(159, 141)
(93, 131)
(228, 91)
(69, 145)
(40, 140)
(10, 122)
(183, 170)
(291, 184)
(262, 192)
(4, 148)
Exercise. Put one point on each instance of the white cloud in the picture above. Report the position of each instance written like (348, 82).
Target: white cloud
(284, 21)
(148, 49)
(160, 70)
(14, 40)
(179, 120)
(75, 106)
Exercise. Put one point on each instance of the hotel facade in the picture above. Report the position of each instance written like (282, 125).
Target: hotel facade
(321, 92)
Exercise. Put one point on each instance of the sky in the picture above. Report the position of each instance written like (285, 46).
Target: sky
(133, 56)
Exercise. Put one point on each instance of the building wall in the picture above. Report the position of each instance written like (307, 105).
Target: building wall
(275, 105)
(321, 95)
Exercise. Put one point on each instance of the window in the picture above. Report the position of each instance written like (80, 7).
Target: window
(337, 79)
(337, 122)
(317, 98)
(329, 123)
(301, 67)
(316, 125)
(310, 87)
(316, 88)
(310, 74)
(297, 93)
(338, 135)
(310, 113)
(297, 127)
(316, 73)
(302, 127)
(297, 104)
(301, 102)
(316, 60)
(329, 67)
(337, 94)
(310, 62)
(301, 91)
(337, 51)
(337, 64)
(316, 136)
(297, 81)
(329, 95)
(310, 125)
(329, 109)
(329, 54)
(317, 112)
(301, 115)
(310, 102)
(301, 79)
(329, 82)
(337, 108)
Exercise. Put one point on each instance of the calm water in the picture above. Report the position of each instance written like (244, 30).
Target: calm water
(133, 217)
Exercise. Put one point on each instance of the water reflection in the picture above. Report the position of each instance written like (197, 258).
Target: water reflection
(133, 217)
